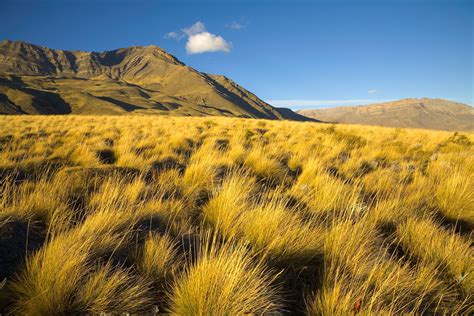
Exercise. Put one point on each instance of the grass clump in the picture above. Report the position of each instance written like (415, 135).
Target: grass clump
(277, 231)
(157, 258)
(429, 243)
(455, 197)
(62, 278)
(225, 280)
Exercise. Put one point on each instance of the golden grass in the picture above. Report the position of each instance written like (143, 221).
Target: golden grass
(157, 257)
(225, 280)
(455, 197)
(62, 278)
(134, 214)
(432, 244)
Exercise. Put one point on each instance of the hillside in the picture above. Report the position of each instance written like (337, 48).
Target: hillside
(413, 113)
(143, 80)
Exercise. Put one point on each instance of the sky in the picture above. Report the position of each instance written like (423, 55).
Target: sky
(297, 54)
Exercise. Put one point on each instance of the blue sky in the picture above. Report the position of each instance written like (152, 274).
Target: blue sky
(300, 54)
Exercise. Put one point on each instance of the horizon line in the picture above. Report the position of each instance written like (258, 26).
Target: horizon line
(300, 104)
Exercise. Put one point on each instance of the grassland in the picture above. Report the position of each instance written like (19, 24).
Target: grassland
(198, 216)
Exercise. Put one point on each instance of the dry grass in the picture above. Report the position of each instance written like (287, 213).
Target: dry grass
(225, 280)
(230, 216)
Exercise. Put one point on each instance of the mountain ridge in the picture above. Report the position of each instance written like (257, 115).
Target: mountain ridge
(411, 113)
(35, 79)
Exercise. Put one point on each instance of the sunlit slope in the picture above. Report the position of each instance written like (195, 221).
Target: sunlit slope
(39, 80)
(412, 113)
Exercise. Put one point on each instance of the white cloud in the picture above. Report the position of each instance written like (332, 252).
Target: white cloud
(372, 91)
(235, 26)
(206, 42)
(194, 29)
(199, 40)
(298, 104)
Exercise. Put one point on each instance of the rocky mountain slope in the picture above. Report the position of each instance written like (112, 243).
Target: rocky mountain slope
(412, 113)
(140, 80)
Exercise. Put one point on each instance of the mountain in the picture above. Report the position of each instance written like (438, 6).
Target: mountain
(412, 113)
(142, 80)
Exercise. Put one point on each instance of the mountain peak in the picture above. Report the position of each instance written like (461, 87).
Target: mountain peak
(22, 58)
(140, 79)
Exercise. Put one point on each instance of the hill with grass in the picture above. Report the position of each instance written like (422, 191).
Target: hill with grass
(139, 80)
(412, 113)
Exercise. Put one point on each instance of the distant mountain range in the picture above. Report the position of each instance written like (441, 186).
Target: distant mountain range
(147, 80)
(142, 80)
(412, 113)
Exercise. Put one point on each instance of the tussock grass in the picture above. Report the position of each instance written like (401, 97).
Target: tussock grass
(157, 257)
(264, 222)
(326, 195)
(263, 166)
(277, 231)
(228, 203)
(431, 244)
(62, 278)
(225, 280)
(229, 216)
(455, 197)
